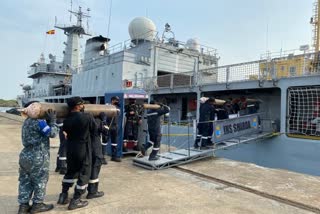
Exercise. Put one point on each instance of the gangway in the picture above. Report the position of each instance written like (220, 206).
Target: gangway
(228, 133)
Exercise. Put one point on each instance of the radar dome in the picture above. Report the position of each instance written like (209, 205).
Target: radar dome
(193, 44)
(142, 28)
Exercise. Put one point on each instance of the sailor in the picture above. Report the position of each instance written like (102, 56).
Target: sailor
(34, 162)
(198, 137)
(133, 120)
(243, 106)
(97, 158)
(223, 113)
(62, 152)
(113, 129)
(235, 105)
(79, 128)
(154, 129)
(205, 125)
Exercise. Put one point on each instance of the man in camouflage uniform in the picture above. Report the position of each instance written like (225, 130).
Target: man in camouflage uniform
(34, 162)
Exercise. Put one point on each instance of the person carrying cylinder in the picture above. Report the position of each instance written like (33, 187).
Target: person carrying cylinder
(34, 162)
(97, 158)
(205, 125)
(154, 129)
(79, 128)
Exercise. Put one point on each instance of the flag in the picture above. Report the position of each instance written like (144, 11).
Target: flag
(51, 32)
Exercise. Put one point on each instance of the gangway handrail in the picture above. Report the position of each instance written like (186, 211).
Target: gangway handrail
(189, 154)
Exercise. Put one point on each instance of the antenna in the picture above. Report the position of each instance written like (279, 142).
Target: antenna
(109, 18)
(267, 38)
(88, 11)
(70, 9)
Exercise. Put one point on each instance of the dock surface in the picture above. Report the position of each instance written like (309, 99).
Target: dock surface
(212, 185)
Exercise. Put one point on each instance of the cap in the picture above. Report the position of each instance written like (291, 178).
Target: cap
(115, 98)
(74, 101)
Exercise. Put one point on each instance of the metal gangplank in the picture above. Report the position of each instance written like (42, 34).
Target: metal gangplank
(224, 138)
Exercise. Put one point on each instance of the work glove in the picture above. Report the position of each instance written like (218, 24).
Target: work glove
(51, 117)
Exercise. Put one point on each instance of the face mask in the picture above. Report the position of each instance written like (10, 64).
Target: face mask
(116, 103)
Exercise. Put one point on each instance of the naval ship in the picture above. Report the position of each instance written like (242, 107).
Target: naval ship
(180, 73)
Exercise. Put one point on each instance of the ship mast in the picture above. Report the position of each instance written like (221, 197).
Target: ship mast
(71, 58)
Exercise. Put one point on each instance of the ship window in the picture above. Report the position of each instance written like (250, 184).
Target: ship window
(292, 71)
(282, 68)
(38, 80)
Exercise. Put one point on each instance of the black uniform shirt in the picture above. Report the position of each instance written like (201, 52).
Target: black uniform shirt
(154, 118)
(79, 127)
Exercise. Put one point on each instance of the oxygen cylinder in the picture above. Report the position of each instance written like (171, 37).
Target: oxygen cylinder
(37, 110)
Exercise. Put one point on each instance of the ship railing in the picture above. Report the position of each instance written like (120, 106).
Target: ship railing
(272, 69)
(290, 66)
(153, 36)
(259, 70)
(231, 73)
(38, 69)
(237, 129)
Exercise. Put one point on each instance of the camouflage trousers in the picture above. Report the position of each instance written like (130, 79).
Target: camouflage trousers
(33, 175)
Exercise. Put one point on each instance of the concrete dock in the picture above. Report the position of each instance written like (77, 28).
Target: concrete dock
(212, 185)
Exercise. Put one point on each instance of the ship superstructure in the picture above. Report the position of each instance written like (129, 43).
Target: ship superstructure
(54, 78)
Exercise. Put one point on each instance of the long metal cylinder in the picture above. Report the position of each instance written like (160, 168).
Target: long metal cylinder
(37, 110)
(151, 106)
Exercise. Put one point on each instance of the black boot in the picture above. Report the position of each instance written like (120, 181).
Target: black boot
(23, 208)
(153, 156)
(40, 207)
(95, 195)
(63, 198)
(116, 159)
(104, 161)
(93, 191)
(63, 171)
(58, 165)
(196, 145)
(77, 203)
(197, 141)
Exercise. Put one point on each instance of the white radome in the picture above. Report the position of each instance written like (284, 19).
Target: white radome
(142, 28)
(193, 44)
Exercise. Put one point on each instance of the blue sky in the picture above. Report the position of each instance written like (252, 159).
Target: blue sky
(238, 29)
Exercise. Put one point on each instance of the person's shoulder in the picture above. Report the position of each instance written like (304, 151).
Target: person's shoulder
(87, 115)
